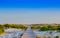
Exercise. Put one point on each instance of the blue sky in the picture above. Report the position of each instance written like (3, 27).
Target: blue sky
(29, 11)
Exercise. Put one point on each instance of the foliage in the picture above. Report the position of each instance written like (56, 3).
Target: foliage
(57, 36)
(42, 27)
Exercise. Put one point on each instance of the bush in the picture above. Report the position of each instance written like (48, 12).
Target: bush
(57, 37)
(44, 28)
(1, 31)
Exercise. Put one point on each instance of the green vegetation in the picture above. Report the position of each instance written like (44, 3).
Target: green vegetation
(40, 27)
(57, 37)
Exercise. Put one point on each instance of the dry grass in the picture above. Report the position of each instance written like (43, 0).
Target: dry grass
(38, 36)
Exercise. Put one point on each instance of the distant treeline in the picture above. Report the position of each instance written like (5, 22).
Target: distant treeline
(40, 27)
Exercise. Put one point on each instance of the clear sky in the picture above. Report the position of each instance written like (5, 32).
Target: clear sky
(29, 11)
